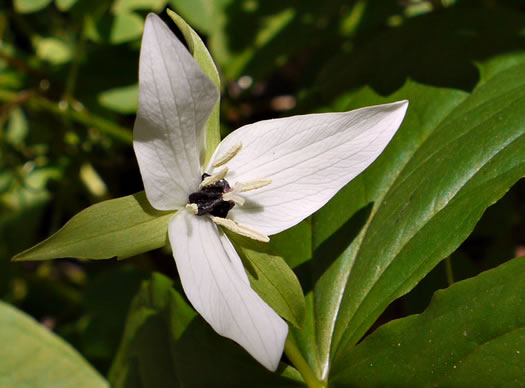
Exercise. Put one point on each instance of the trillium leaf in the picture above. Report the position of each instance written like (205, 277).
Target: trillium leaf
(472, 334)
(454, 156)
(32, 356)
(120, 227)
(271, 278)
(205, 61)
(166, 344)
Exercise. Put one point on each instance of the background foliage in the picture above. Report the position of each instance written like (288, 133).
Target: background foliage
(68, 94)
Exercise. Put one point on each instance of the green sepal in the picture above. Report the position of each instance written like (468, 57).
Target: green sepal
(120, 227)
(271, 278)
(204, 59)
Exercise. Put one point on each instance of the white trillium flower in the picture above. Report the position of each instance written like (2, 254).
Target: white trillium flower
(262, 179)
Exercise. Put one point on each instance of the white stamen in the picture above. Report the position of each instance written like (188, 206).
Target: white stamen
(210, 180)
(234, 195)
(254, 185)
(241, 229)
(192, 208)
(228, 155)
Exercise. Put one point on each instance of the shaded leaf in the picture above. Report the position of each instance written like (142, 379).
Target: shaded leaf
(120, 227)
(472, 334)
(166, 344)
(32, 356)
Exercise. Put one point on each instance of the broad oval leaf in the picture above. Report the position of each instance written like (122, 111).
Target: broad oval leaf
(454, 156)
(471, 335)
(32, 356)
(120, 228)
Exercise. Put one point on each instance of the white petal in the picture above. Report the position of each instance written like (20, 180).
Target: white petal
(214, 281)
(308, 158)
(175, 101)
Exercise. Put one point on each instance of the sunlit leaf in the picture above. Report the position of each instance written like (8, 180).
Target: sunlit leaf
(65, 5)
(32, 356)
(471, 335)
(454, 156)
(120, 227)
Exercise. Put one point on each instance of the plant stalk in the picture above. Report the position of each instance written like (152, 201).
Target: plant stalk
(295, 356)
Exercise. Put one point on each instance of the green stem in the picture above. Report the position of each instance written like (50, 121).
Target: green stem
(82, 116)
(295, 356)
(448, 269)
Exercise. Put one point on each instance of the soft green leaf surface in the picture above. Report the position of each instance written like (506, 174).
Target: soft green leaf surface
(132, 5)
(65, 5)
(454, 156)
(120, 227)
(53, 50)
(271, 278)
(471, 335)
(166, 344)
(32, 356)
(126, 26)
(123, 100)
(205, 61)
(27, 6)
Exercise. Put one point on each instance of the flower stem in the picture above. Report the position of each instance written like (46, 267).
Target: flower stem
(295, 356)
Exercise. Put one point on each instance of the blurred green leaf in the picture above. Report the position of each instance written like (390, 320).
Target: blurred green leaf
(126, 26)
(205, 61)
(17, 127)
(132, 5)
(28, 6)
(65, 5)
(471, 335)
(120, 227)
(32, 356)
(198, 13)
(454, 156)
(166, 344)
(53, 50)
(122, 100)
(271, 278)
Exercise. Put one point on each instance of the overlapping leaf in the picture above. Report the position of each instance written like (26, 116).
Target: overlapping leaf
(472, 334)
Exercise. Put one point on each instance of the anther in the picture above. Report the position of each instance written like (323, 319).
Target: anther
(192, 208)
(241, 229)
(254, 185)
(210, 180)
(228, 155)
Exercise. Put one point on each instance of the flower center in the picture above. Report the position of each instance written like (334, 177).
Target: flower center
(209, 199)
(216, 197)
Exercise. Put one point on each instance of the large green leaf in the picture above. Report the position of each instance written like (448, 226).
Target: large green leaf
(454, 156)
(32, 356)
(205, 61)
(271, 278)
(166, 344)
(120, 227)
(471, 335)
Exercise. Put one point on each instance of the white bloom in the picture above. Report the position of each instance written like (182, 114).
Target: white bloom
(280, 171)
